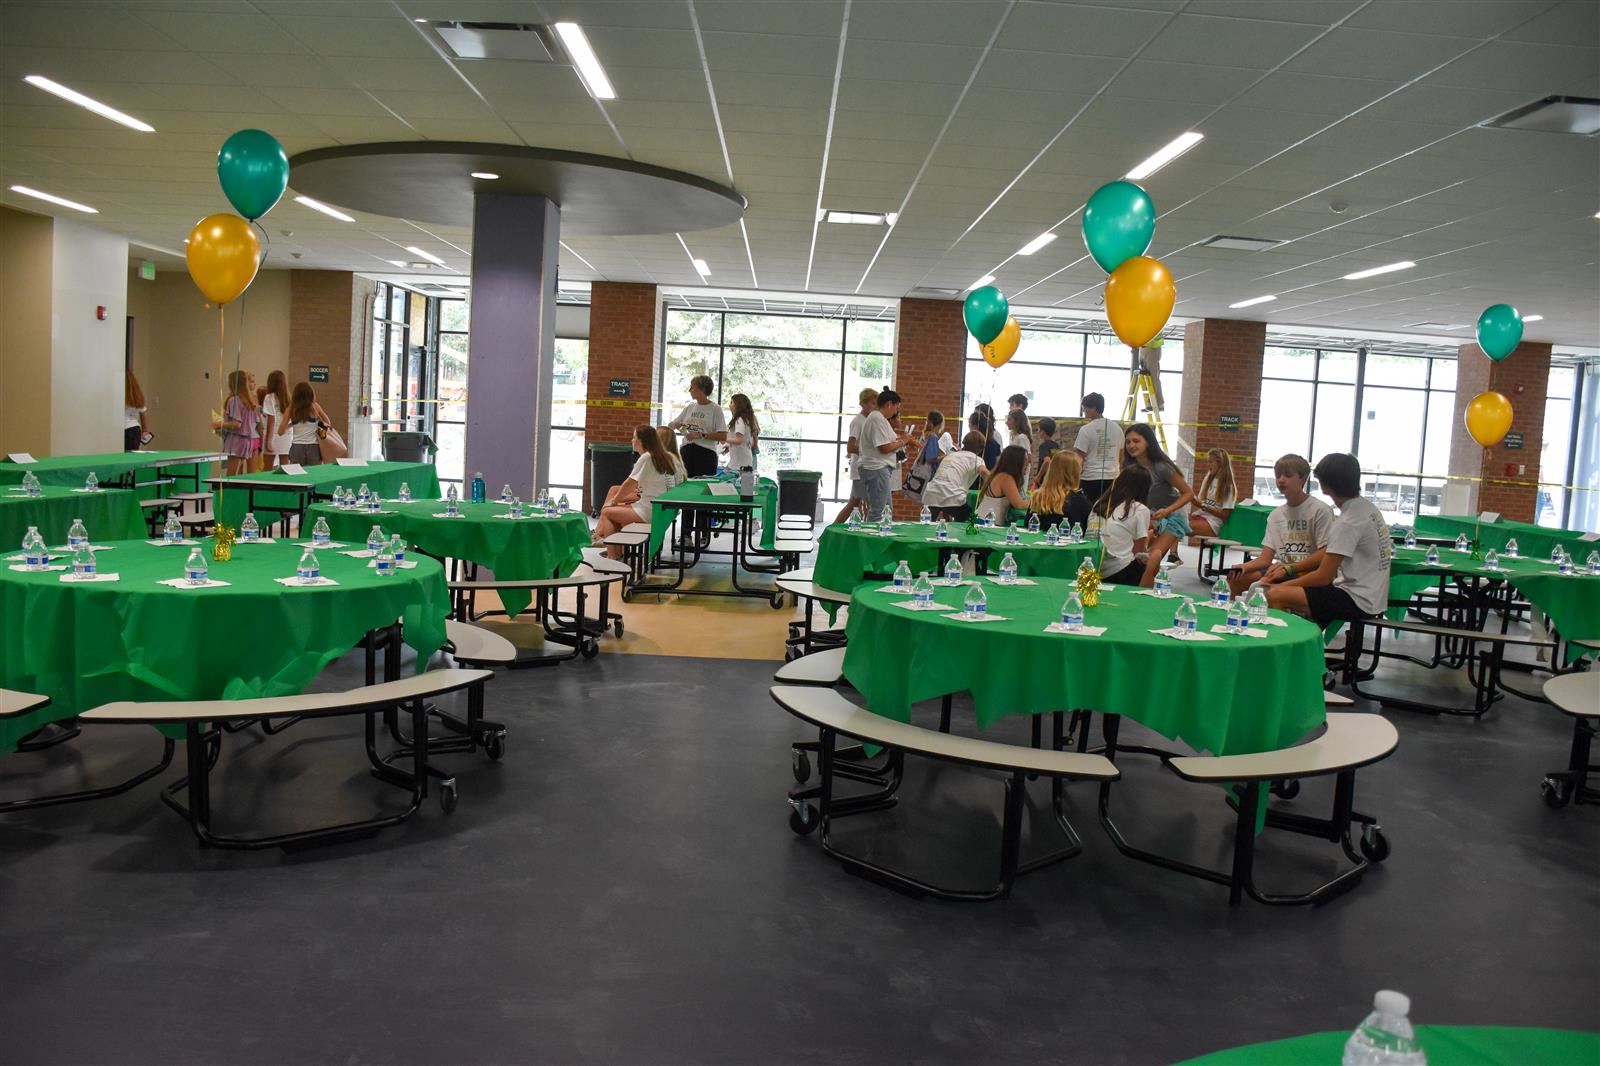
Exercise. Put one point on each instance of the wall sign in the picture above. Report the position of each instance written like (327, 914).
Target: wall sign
(621, 387)
(1512, 442)
(317, 373)
(1228, 423)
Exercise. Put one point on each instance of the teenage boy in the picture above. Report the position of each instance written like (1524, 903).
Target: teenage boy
(1349, 579)
(878, 443)
(1296, 529)
(1048, 446)
(858, 493)
(1098, 444)
(1018, 402)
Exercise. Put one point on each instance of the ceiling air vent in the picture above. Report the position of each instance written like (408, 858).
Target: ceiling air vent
(930, 293)
(1553, 114)
(1239, 244)
(523, 42)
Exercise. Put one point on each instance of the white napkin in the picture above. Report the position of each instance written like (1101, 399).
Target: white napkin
(319, 547)
(1185, 634)
(1213, 604)
(513, 517)
(1013, 581)
(898, 590)
(948, 583)
(405, 564)
(73, 578)
(1083, 631)
(295, 582)
(1269, 620)
(88, 490)
(446, 514)
(362, 554)
(93, 547)
(23, 569)
(1251, 632)
(986, 617)
(1153, 592)
(183, 583)
(936, 540)
(910, 605)
(259, 540)
(164, 543)
(20, 558)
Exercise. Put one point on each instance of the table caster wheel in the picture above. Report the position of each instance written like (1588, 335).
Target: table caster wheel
(1287, 789)
(803, 819)
(494, 746)
(1557, 793)
(1374, 845)
(800, 766)
(777, 601)
(589, 648)
(447, 795)
(616, 628)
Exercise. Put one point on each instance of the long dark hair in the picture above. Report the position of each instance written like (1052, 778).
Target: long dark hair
(1131, 486)
(739, 407)
(652, 446)
(1013, 460)
(1153, 452)
(1017, 422)
(305, 398)
(278, 385)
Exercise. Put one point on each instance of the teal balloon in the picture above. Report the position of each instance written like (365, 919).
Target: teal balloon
(1119, 222)
(1499, 331)
(985, 311)
(254, 171)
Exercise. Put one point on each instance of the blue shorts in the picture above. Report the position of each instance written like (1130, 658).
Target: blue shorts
(1176, 524)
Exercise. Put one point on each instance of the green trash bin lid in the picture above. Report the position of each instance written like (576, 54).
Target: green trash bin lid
(601, 446)
(799, 475)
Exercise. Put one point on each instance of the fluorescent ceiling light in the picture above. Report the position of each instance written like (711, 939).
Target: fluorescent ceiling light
(1034, 245)
(981, 282)
(401, 263)
(1240, 244)
(588, 64)
(484, 175)
(1533, 318)
(88, 103)
(700, 265)
(1180, 145)
(858, 218)
(1254, 301)
(429, 256)
(324, 208)
(1375, 271)
(37, 195)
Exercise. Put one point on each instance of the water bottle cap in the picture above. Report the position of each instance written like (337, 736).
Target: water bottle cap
(1391, 1002)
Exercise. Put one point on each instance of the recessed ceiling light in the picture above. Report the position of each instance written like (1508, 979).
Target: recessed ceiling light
(37, 195)
(1533, 318)
(429, 256)
(1375, 271)
(1034, 245)
(401, 263)
(1240, 244)
(1181, 144)
(588, 64)
(857, 218)
(419, 266)
(700, 265)
(1255, 300)
(981, 282)
(324, 208)
(484, 175)
(88, 103)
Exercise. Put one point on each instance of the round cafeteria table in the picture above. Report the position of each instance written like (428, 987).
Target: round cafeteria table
(531, 548)
(109, 514)
(1228, 696)
(1570, 601)
(845, 557)
(85, 644)
(1445, 1045)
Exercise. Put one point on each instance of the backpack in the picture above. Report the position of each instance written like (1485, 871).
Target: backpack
(922, 471)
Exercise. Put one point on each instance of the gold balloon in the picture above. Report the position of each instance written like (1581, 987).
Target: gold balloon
(1003, 347)
(224, 255)
(1139, 298)
(1488, 416)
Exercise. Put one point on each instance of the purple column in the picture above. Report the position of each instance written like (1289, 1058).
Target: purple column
(515, 239)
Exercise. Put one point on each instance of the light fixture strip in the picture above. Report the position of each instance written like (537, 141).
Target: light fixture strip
(88, 103)
(1252, 302)
(1375, 271)
(316, 205)
(1179, 145)
(429, 256)
(1034, 245)
(37, 195)
(588, 64)
(1533, 318)
(702, 268)
(987, 279)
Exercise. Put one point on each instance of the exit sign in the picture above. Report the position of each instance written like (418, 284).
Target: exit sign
(147, 269)
(317, 373)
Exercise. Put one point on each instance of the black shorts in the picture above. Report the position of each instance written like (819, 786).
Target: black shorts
(1328, 604)
(1132, 574)
(952, 514)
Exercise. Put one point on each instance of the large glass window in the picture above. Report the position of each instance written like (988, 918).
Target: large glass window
(450, 412)
(396, 375)
(801, 372)
(1555, 449)
(568, 408)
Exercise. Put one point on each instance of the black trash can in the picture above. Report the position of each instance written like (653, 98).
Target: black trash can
(798, 491)
(609, 465)
(407, 446)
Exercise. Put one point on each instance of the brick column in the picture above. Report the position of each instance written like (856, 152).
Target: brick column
(1522, 377)
(930, 349)
(328, 323)
(624, 342)
(1221, 376)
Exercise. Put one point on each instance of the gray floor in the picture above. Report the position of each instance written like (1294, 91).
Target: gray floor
(624, 888)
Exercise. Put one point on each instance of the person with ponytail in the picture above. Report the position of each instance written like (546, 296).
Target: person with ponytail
(653, 474)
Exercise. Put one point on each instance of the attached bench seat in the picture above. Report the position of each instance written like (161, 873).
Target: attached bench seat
(1483, 661)
(818, 668)
(1576, 695)
(14, 704)
(202, 742)
(574, 629)
(804, 637)
(834, 716)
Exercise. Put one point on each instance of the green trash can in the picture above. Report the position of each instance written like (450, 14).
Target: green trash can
(609, 466)
(798, 491)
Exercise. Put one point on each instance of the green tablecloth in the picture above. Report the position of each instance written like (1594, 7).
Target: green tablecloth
(137, 639)
(1570, 601)
(1237, 694)
(110, 514)
(1532, 541)
(1247, 524)
(524, 550)
(383, 478)
(845, 558)
(70, 470)
(1445, 1045)
(662, 511)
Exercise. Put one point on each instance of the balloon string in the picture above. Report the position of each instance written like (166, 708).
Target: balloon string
(222, 350)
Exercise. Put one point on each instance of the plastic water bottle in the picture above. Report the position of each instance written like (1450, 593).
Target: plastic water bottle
(922, 590)
(1085, 567)
(1072, 612)
(976, 602)
(1164, 579)
(308, 570)
(374, 503)
(452, 505)
(83, 562)
(1491, 561)
(30, 484)
(1461, 542)
(384, 560)
(505, 493)
(1077, 532)
(92, 482)
(1238, 616)
(902, 575)
(1566, 562)
(886, 522)
(563, 505)
(1219, 591)
(375, 540)
(1185, 619)
(925, 516)
(952, 571)
(1555, 555)
(1053, 534)
(852, 523)
(1385, 1036)
(1033, 523)
(363, 494)
(1593, 562)
(250, 529)
(479, 491)
(1008, 569)
(516, 507)
(195, 570)
(34, 555)
(320, 533)
(405, 492)
(172, 532)
(1411, 538)
(1511, 548)
(397, 548)
(1258, 606)
(77, 534)
(1433, 555)
(943, 532)
(1013, 535)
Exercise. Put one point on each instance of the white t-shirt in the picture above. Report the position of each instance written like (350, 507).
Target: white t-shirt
(704, 418)
(278, 445)
(1099, 441)
(130, 417)
(740, 455)
(949, 484)
(1211, 501)
(1118, 534)
(855, 431)
(1361, 535)
(304, 432)
(1296, 532)
(876, 431)
(653, 483)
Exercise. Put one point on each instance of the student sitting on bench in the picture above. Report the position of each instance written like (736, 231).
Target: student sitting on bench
(1349, 579)
(1296, 528)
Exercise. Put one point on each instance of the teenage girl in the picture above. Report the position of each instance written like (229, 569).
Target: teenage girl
(1169, 495)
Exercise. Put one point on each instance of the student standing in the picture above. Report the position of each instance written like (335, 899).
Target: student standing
(1296, 529)
(241, 422)
(857, 496)
(1048, 446)
(275, 415)
(1169, 494)
(878, 443)
(703, 425)
(946, 494)
(1097, 445)
(741, 434)
(307, 421)
(1349, 579)
(134, 423)
(1122, 520)
(982, 420)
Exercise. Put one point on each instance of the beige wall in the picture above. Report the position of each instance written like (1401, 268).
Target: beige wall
(177, 357)
(25, 359)
(88, 338)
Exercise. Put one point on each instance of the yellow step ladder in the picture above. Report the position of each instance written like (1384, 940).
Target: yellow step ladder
(1142, 396)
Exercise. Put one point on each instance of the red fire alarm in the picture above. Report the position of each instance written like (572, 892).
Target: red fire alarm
(1516, 390)
(100, 313)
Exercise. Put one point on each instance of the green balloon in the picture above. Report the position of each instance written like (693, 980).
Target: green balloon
(985, 311)
(1499, 331)
(254, 171)
(1119, 221)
